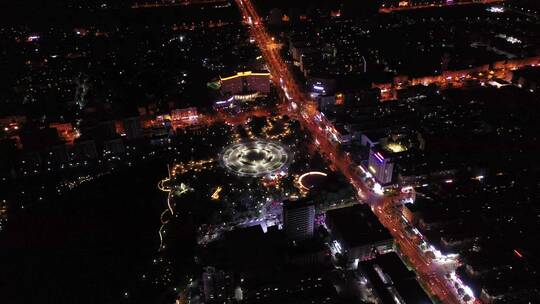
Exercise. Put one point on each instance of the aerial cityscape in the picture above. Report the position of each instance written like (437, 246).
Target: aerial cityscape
(270, 151)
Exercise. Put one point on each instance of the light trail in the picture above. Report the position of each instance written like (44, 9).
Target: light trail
(160, 231)
(215, 195)
(149, 5)
(170, 210)
(409, 6)
(162, 187)
(182, 168)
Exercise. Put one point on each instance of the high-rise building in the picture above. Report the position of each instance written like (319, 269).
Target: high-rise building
(217, 286)
(380, 165)
(133, 128)
(299, 219)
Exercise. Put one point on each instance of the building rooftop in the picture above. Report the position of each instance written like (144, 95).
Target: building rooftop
(357, 225)
(388, 274)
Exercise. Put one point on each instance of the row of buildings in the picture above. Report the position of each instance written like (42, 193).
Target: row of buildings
(65, 145)
(292, 265)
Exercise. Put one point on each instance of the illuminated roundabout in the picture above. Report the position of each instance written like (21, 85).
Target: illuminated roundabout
(313, 179)
(255, 158)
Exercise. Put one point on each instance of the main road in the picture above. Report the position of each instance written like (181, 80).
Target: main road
(431, 275)
(435, 5)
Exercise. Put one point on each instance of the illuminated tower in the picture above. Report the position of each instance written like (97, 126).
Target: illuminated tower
(380, 166)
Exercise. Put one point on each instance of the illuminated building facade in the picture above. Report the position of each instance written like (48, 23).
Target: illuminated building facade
(244, 82)
(224, 104)
(321, 85)
(187, 116)
(12, 123)
(258, 83)
(65, 131)
(235, 100)
(232, 84)
(380, 165)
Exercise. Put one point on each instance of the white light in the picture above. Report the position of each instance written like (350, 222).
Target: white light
(336, 247)
(479, 177)
(513, 40)
(407, 201)
(407, 189)
(495, 9)
(377, 188)
(468, 291)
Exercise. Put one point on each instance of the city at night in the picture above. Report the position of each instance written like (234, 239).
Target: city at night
(270, 152)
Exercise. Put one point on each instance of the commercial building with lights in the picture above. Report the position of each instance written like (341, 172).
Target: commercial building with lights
(321, 85)
(380, 165)
(183, 117)
(246, 82)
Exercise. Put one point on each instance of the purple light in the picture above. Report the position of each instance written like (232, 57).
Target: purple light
(225, 101)
(318, 88)
(379, 157)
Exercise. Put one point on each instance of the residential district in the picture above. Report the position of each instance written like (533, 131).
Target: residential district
(306, 151)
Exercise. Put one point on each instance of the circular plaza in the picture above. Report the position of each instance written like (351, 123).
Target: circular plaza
(255, 158)
(311, 180)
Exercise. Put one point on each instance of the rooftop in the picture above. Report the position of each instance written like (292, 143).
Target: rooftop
(357, 225)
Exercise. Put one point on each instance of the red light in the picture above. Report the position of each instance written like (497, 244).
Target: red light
(518, 254)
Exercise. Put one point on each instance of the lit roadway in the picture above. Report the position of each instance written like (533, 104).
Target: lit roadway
(165, 4)
(430, 273)
(433, 5)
